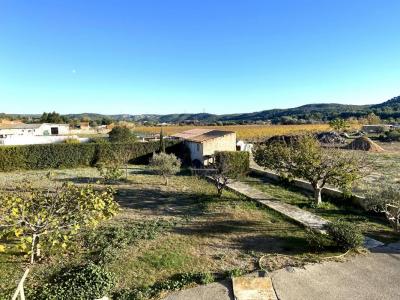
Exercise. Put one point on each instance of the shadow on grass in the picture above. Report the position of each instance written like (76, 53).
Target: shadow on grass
(159, 202)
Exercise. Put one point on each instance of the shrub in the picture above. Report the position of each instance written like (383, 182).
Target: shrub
(71, 141)
(104, 241)
(81, 282)
(391, 136)
(346, 235)
(237, 163)
(110, 173)
(120, 134)
(165, 165)
(33, 157)
(229, 165)
(234, 273)
(316, 240)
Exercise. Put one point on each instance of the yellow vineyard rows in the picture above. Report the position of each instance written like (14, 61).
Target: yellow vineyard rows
(242, 131)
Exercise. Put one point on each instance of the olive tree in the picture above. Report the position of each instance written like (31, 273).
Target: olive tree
(306, 159)
(165, 165)
(121, 134)
(386, 199)
(44, 219)
(228, 165)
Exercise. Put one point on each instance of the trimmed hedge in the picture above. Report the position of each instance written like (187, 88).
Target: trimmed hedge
(237, 161)
(47, 156)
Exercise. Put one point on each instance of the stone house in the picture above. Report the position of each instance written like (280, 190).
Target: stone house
(203, 143)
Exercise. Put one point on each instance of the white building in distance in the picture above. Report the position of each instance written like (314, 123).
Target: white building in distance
(25, 134)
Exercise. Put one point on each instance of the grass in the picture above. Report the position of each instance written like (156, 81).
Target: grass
(371, 224)
(247, 132)
(207, 234)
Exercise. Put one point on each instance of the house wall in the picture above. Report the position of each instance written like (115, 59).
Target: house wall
(209, 147)
(44, 129)
(196, 151)
(13, 140)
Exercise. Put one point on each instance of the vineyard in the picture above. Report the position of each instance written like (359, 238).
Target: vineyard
(247, 132)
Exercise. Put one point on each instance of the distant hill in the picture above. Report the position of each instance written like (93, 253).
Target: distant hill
(305, 113)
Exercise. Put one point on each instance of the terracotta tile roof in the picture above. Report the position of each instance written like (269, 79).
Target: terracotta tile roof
(201, 135)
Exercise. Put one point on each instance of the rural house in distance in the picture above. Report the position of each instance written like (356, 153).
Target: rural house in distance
(203, 143)
(24, 134)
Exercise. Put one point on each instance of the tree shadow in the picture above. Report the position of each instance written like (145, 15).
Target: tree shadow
(160, 202)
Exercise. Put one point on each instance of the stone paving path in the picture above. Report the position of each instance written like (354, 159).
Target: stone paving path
(299, 215)
(293, 212)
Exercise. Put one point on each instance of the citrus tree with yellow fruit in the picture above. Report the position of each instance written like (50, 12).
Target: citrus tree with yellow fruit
(42, 219)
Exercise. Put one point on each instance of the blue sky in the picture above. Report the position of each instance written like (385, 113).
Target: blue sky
(174, 56)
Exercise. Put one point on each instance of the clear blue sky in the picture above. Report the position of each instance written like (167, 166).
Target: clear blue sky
(218, 56)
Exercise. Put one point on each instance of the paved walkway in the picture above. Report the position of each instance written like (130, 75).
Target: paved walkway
(299, 215)
(374, 276)
(293, 212)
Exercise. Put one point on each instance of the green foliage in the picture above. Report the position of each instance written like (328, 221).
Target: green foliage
(386, 199)
(81, 282)
(71, 141)
(120, 134)
(110, 173)
(105, 241)
(306, 159)
(317, 241)
(46, 219)
(176, 282)
(391, 136)
(339, 124)
(165, 165)
(346, 235)
(52, 118)
(32, 157)
(235, 273)
(233, 163)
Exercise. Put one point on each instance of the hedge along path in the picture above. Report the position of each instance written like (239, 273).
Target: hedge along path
(52, 156)
(294, 213)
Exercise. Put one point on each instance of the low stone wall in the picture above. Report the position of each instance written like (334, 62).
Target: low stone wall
(302, 184)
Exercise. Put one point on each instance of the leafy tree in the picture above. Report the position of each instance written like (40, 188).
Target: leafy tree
(305, 158)
(121, 134)
(339, 124)
(38, 218)
(373, 119)
(52, 118)
(165, 165)
(228, 165)
(387, 200)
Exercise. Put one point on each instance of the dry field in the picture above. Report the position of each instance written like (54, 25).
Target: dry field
(246, 132)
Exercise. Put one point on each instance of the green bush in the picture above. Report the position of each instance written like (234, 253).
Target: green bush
(237, 162)
(391, 136)
(81, 282)
(176, 282)
(48, 156)
(346, 235)
(106, 240)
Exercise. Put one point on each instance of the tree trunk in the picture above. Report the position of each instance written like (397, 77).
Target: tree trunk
(34, 248)
(166, 180)
(126, 171)
(317, 195)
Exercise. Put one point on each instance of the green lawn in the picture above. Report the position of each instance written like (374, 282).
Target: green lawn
(198, 233)
(371, 224)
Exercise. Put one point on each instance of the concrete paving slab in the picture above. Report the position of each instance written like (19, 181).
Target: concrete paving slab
(253, 288)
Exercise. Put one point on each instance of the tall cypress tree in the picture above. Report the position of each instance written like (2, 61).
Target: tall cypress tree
(162, 144)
